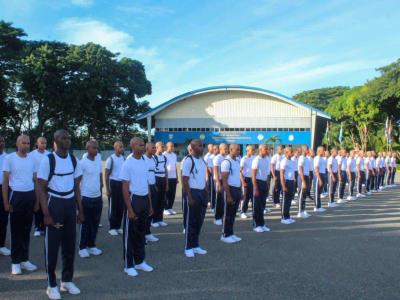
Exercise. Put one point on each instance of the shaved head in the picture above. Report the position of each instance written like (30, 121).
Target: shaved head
(23, 144)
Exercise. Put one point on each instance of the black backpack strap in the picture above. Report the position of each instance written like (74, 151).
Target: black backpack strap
(74, 161)
(165, 161)
(52, 163)
(111, 164)
(193, 165)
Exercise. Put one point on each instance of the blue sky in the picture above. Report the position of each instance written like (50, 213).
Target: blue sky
(283, 46)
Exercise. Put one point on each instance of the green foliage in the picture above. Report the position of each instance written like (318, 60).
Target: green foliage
(320, 98)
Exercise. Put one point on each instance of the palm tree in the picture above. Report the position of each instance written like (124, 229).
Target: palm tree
(273, 140)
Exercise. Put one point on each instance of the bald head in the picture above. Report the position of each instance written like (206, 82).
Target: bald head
(62, 139)
(41, 144)
(263, 150)
(150, 149)
(118, 148)
(137, 145)
(234, 150)
(223, 149)
(159, 148)
(92, 148)
(170, 147)
(23, 144)
(197, 147)
(249, 150)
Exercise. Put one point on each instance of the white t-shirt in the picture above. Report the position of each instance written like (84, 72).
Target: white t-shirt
(136, 171)
(2, 157)
(21, 171)
(171, 164)
(231, 166)
(320, 163)
(295, 159)
(209, 161)
(116, 162)
(197, 178)
(289, 168)
(161, 163)
(311, 163)
(246, 163)
(393, 162)
(325, 160)
(90, 183)
(38, 156)
(333, 162)
(151, 163)
(360, 163)
(351, 163)
(381, 162)
(303, 162)
(57, 183)
(262, 165)
(217, 163)
(98, 156)
(276, 160)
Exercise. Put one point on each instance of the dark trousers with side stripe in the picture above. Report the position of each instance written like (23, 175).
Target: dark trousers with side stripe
(288, 196)
(116, 204)
(219, 203)
(303, 192)
(319, 185)
(352, 181)
(248, 194)
(184, 209)
(230, 210)
(153, 193)
(39, 221)
(342, 183)
(195, 218)
(393, 175)
(61, 234)
(92, 208)
(259, 203)
(159, 206)
(171, 193)
(360, 181)
(277, 187)
(3, 221)
(389, 176)
(135, 230)
(368, 175)
(383, 176)
(211, 190)
(21, 219)
(333, 181)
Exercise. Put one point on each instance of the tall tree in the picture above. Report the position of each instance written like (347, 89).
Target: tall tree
(320, 98)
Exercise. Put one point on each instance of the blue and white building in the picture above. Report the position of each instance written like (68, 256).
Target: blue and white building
(235, 114)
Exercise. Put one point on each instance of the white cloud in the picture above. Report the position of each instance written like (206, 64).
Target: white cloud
(146, 10)
(83, 3)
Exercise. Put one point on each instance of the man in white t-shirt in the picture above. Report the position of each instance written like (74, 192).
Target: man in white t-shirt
(135, 186)
(360, 170)
(194, 178)
(184, 196)
(333, 169)
(161, 186)
(60, 198)
(3, 214)
(19, 179)
(172, 179)
(245, 176)
(230, 170)
(91, 183)
(351, 174)
(275, 171)
(303, 181)
(319, 173)
(114, 188)
(287, 169)
(219, 202)
(208, 157)
(393, 164)
(342, 174)
(210, 176)
(38, 154)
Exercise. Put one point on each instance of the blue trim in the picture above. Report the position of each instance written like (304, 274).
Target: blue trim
(227, 87)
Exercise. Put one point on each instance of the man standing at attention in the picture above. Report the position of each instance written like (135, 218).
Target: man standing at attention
(172, 179)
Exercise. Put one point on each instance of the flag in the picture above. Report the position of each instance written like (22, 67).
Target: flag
(327, 131)
(387, 129)
(389, 132)
(341, 133)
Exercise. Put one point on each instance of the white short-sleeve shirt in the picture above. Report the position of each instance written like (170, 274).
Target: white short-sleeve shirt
(303, 162)
(333, 163)
(245, 163)
(360, 162)
(21, 171)
(289, 167)
(136, 171)
(232, 167)
(171, 164)
(351, 163)
(2, 157)
(90, 183)
(320, 163)
(217, 163)
(38, 156)
(115, 163)
(262, 165)
(276, 160)
(196, 172)
(151, 163)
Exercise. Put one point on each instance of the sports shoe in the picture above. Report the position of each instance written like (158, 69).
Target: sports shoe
(131, 272)
(95, 251)
(296, 195)
(332, 204)
(151, 238)
(300, 215)
(243, 216)
(291, 221)
(277, 205)
(27, 265)
(155, 225)
(5, 251)
(144, 267)
(319, 209)
(236, 238)
(183, 231)
(84, 253)
(265, 228)
(189, 253)
(16, 269)
(267, 210)
(286, 221)
(199, 250)
(69, 287)
(53, 293)
(305, 215)
(294, 202)
(368, 193)
(228, 240)
(120, 231)
(37, 233)
(172, 211)
(113, 232)
(162, 224)
(218, 222)
(167, 212)
(341, 201)
(258, 229)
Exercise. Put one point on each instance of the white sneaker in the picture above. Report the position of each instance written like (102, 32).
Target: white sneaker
(16, 269)
(258, 229)
(323, 196)
(291, 221)
(368, 193)
(381, 187)
(167, 212)
(267, 210)
(155, 225)
(332, 204)
(189, 253)
(5, 251)
(294, 202)
(53, 293)
(341, 201)
(95, 251)
(265, 228)
(151, 238)
(218, 222)
(306, 214)
(286, 222)
(320, 209)
(69, 287)
(37, 233)
(199, 250)
(236, 238)
(120, 231)
(27, 265)
(172, 212)
(228, 240)
(183, 231)
(296, 195)
(277, 205)
(162, 224)
(113, 232)
(144, 267)
(300, 215)
(243, 216)
(131, 272)
(84, 253)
